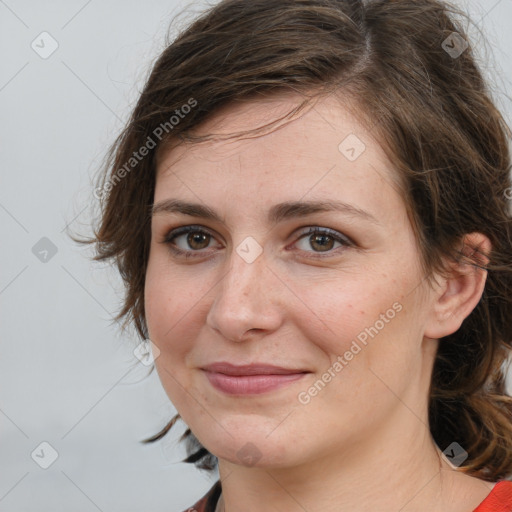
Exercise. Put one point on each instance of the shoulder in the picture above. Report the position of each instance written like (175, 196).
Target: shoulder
(208, 502)
(499, 500)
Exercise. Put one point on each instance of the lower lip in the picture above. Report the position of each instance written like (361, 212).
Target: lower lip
(250, 384)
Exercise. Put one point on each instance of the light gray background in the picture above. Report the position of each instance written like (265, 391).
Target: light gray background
(67, 376)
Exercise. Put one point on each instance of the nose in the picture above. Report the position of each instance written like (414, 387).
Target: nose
(247, 299)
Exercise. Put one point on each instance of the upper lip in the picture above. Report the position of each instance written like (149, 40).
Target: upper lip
(250, 369)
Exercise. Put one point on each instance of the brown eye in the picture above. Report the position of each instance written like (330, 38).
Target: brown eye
(188, 240)
(323, 240)
(196, 240)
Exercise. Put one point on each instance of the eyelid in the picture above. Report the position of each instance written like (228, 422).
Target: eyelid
(181, 230)
(310, 230)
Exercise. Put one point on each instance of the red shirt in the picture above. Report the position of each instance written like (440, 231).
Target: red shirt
(499, 500)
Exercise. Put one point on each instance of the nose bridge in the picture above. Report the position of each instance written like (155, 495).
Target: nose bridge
(242, 300)
(243, 278)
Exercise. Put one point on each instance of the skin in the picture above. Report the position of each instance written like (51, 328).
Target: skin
(362, 443)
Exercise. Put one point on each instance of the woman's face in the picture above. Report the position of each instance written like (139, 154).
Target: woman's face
(343, 310)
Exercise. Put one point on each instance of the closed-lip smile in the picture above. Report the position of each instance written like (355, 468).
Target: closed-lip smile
(250, 379)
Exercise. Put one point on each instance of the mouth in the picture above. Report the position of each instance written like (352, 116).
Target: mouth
(250, 379)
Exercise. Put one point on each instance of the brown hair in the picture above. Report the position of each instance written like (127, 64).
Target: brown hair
(419, 89)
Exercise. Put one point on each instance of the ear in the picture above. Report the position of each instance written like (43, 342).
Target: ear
(457, 295)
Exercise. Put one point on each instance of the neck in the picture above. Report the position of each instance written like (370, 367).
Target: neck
(392, 471)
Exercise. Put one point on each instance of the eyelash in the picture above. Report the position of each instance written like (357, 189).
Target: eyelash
(185, 230)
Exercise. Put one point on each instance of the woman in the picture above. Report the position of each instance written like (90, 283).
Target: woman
(309, 210)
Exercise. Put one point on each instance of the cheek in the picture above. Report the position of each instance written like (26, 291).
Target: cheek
(175, 316)
(366, 327)
(169, 317)
(167, 306)
(334, 313)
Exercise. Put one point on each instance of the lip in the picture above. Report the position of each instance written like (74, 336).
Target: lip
(251, 369)
(250, 379)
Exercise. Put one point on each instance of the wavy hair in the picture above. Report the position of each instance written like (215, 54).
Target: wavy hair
(410, 69)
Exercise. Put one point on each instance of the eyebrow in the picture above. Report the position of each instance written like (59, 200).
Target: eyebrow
(276, 214)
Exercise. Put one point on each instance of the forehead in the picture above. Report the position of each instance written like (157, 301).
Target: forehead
(322, 151)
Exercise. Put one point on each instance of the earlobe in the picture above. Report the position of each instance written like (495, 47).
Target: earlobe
(459, 293)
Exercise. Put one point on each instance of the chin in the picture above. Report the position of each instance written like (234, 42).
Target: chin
(256, 449)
